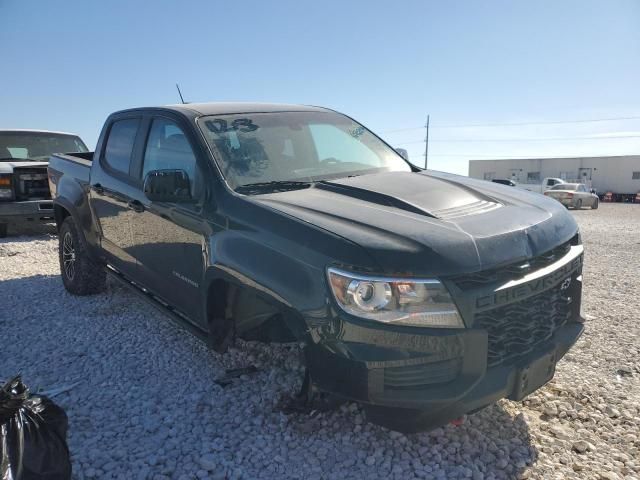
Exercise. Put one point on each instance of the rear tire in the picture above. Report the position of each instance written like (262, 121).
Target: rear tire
(578, 205)
(3, 230)
(595, 204)
(80, 275)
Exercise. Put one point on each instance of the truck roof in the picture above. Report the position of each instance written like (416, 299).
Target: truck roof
(218, 108)
(29, 130)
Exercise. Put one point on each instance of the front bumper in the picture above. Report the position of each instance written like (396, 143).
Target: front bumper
(413, 378)
(414, 407)
(34, 210)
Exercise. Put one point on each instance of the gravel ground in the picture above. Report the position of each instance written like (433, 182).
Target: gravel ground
(143, 402)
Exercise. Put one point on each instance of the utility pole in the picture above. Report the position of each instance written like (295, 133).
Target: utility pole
(426, 145)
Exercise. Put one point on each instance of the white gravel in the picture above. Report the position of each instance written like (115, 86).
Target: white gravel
(146, 405)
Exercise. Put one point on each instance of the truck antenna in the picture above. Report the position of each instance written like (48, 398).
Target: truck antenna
(180, 93)
(426, 146)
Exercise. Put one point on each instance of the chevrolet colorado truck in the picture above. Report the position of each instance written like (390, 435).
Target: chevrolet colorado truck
(24, 190)
(422, 295)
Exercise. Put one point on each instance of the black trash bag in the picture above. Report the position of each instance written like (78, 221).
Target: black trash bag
(33, 433)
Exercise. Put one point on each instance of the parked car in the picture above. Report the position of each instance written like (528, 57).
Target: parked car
(24, 189)
(546, 184)
(504, 181)
(574, 195)
(422, 295)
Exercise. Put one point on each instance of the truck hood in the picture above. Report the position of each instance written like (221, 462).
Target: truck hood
(9, 166)
(431, 223)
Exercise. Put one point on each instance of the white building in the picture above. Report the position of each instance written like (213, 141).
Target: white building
(619, 174)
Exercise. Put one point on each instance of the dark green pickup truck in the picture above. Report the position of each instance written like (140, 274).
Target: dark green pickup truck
(422, 295)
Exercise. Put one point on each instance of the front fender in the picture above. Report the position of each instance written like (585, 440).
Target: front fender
(285, 281)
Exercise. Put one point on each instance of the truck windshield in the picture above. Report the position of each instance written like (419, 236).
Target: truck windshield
(294, 147)
(37, 145)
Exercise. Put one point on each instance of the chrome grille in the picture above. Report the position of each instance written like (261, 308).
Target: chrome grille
(31, 183)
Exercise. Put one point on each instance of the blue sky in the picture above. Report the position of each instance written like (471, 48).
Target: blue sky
(67, 65)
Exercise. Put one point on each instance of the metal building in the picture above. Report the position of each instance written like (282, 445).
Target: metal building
(620, 174)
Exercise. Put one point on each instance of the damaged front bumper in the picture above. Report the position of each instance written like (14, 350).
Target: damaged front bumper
(413, 378)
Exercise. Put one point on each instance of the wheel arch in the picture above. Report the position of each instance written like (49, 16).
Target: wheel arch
(60, 212)
(225, 286)
(64, 208)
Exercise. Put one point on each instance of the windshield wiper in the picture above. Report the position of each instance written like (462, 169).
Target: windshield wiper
(273, 186)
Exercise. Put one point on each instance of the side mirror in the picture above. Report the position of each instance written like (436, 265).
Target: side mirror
(168, 186)
(403, 153)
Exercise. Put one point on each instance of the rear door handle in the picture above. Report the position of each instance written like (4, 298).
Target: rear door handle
(136, 206)
(99, 189)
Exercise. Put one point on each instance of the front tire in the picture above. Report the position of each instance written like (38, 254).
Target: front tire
(595, 204)
(3, 230)
(80, 275)
(578, 205)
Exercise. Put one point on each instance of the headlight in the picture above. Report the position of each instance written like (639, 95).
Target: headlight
(6, 192)
(423, 303)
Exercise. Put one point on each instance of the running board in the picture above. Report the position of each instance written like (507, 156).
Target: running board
(179, 319)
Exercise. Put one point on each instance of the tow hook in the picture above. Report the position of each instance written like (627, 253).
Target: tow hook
(458, 421)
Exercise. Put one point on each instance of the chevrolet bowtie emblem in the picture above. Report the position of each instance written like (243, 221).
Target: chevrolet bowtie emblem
(565, 284)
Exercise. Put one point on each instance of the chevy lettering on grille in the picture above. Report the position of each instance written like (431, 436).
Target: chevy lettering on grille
(527, 288)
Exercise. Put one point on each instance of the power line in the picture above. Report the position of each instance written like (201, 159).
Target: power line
(514, 157)
(542, 139)
(508, 124)
(556, 122)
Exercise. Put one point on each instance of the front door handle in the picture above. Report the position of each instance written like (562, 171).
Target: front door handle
(99, 189)
(136, 206)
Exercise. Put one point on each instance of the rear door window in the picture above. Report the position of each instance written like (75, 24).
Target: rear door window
(119, 148)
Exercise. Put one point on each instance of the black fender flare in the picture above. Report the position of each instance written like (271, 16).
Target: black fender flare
(71, 197)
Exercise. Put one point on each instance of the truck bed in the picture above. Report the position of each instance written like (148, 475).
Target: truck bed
(76, 165)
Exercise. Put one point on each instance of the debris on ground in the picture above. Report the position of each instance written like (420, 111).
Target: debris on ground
(232, 373)
(33, 433)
